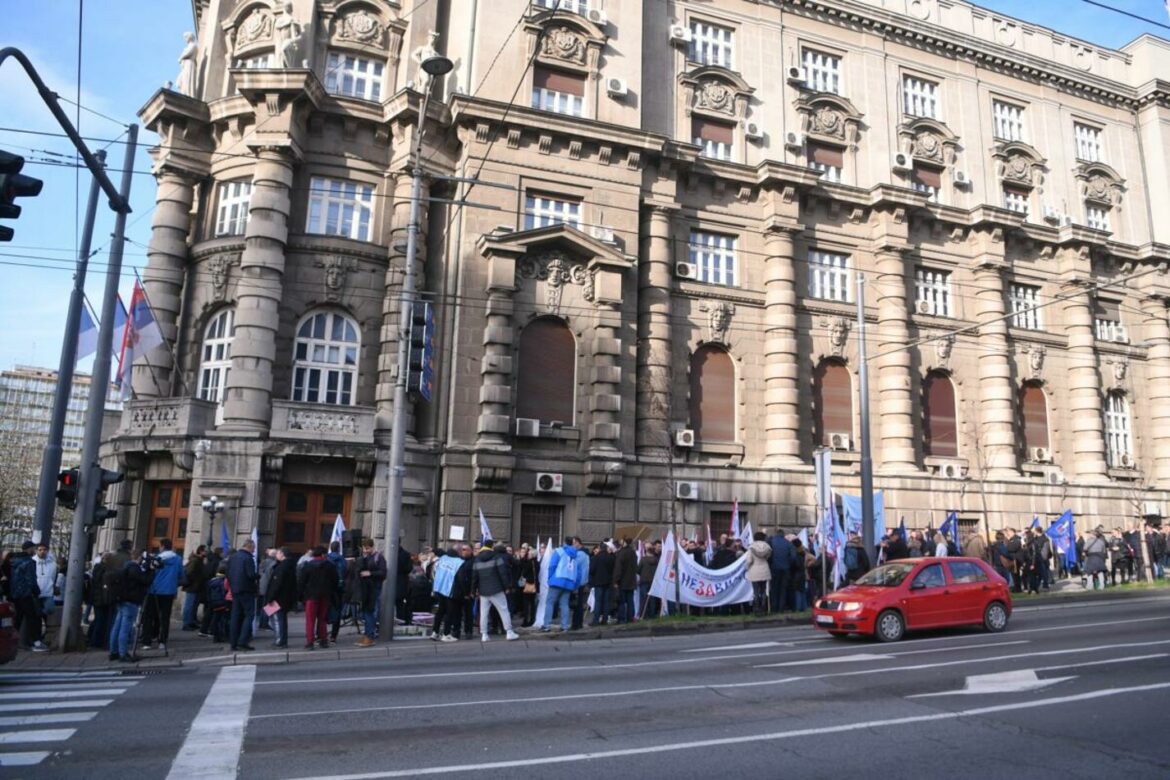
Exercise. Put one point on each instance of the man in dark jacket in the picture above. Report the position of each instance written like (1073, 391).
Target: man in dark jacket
(601, 569)
(896, 547)
(195, 579)
(491, 579)
(265, 569)
(781, 562)
(336, 605)
(372, 570)
(1015, 554)
(20, 577)
(281, 587)
(316, 583)
(210, 569)
(241, 575)
(129, 586)
(625, 580)
(462, 595)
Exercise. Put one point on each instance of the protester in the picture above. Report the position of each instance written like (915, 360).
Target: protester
(160, 598)
(562, 582)
(98, 636)
(491, 581)
(647, 568)
(625, 580)
(265, 569)
(244, 582)
(194, 587)
(316, 583)
(601, 571)
(528, 581)
(759, 572)
(219, 605)
(20, 576)
(974, 545)
(856, 558)
(281, 590)
(781, 564)
(127, 587)
(337, 602)
(46, 583)
(372, 570)
(1095, 550)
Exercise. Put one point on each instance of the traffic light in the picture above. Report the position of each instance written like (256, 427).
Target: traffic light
(422, 349)
(102, 513)
(13, 185)
(67, 481)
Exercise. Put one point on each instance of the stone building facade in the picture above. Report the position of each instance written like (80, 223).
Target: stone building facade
(646, 300)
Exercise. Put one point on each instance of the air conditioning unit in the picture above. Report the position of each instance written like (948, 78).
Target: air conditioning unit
(684, 438)
(1040, 455)
(794, 140)
(601, 233)
(1052, 214)
(1151, 509)
(597, 16)
(924, 307)
(680, 33)
(617, 87)
(1125, 460)
(961, 178)
(527, 427)
(901, 162)
(686, 491)
(547, 482)
(684, 270)
(753, 131)
(1121, 335)
(795, 75)
(950, 471)
(839, 441)
(1054, 477)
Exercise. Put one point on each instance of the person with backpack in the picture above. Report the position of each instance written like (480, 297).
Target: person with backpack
(210, 569)
(128, 588)
(219, 605)
(160, 598)
(99, 626)
(562, 582)
(856, 558)
(337, 603)
(24, 593)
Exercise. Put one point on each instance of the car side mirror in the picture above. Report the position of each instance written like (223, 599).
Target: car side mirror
(918, 586)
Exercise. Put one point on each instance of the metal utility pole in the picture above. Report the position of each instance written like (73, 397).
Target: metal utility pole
(71, 636)
(866, 461)
(51, 459)
(432, 66)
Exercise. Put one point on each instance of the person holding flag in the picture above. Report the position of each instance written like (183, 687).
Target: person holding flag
(485, 531)
(948, 541)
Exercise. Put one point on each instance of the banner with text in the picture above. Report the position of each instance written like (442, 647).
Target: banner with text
(699, 586)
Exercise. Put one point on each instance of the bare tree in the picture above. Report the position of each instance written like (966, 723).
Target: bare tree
(21, 449)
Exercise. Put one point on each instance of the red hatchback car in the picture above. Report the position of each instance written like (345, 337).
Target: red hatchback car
(917, 593)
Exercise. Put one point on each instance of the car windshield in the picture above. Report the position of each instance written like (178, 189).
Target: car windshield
(889, 576)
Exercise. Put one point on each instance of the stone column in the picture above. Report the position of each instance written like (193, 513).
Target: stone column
(652, 431)
(781, 370)
(1156, 330)
(495, 386)
(894, 382)
(1084, 386)
(162, 279)
(995, 426)
(605, 401)
(248, 404)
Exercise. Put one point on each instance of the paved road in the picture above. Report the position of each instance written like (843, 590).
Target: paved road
(1067, 692)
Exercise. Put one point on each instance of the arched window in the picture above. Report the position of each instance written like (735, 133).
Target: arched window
(938, 411)
(833, 402)
(547, 377)
(216, 357)
(325, 359)
(1034, 415)
(713, 395)
(1118, 431)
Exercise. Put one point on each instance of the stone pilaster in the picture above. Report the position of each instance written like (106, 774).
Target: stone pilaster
(494, 429)
(1084, 386)
(652, 431)
(1156, 330)
(248, 403)
(605, 381)
(162, 279)
(894, 384)
(995, 425)
(781, 371)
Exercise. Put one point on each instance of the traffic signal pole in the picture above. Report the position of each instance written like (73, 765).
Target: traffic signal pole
(71, 636)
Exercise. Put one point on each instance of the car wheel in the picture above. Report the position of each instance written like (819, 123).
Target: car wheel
(995, 617)
(889, 627)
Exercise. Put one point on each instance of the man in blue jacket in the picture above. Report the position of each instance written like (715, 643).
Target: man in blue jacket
(244, 582)
(564, 577)
(783, 555)
(160, 598)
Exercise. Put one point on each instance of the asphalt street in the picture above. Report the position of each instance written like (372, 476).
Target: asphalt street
(1067, 691)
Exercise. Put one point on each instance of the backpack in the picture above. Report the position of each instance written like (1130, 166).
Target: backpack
(22, 583)
(566, 567)
(852, 560)
(217, 593)
(112, 582)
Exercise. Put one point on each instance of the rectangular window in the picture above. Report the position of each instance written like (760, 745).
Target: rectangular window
(231, 216)
(1024, 298)
(256, 61)
(927, 181)
(340, 208)
(717, 139)
(353, 76)
(827, 159)
(540, 210)
(1118, 435)
(711, 44)
(574, 6)
(557, 91)
(919, 97)
(540, 522)
(1107, 321)
(1008, 120)
(829, 277)
(822, 72)
(1088, 142)
(1097, 217)
(713, 256)
(1016, 200)
(932, 293)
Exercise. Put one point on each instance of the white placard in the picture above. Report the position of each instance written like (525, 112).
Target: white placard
(457, 533)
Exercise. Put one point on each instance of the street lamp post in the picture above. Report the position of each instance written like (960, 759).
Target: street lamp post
(212, 506)
(433, 65)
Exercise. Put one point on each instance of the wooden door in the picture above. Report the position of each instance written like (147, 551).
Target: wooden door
(306, 515)
(169, 503)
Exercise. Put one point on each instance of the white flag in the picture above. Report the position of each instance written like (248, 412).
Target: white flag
(256, 544)
(338, 534)
(485, 533)
(542, 598)
(746, 537)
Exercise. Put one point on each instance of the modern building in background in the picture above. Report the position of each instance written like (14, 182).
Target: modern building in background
(645, 307)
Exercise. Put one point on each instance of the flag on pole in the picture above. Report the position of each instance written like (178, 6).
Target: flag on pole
(902, 528)
(950, 528)
(1062, 532)
(838, 548)
(87, 334)
(746, 536)
(256, 545)
(803, 537)
(224, 541)
(140, 335)
(485, 533)
(1035, 522)
(338, 534)
(735, 533)
(118, 332)
(542, 598)
(710, 544)
(641, 549)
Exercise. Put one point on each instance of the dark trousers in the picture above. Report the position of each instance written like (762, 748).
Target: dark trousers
(156, 618)
(778, 595)
(243, 613)
(579, 608)
(280, 619)
(760, 597)
(217, 623)
(28, 620)
(99, 627)
(649, 605)
(625, 610)
(528, 607)
(262, 619)
(205, 622)
(600, 604)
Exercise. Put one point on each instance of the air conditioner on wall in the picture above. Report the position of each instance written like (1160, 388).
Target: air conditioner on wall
(601, 233)
(1051, 214)
(597, 16)
(794, 140)
(684, 270)
(1054, 477)
(680, 33)
(527, 427)
(753, 131)
(1040, 455)
(1125, 460)
(684, 438)
(686, 491)
(547, 482)
(617, 87)
(924, 307)
(795, 75)
(901, 162)
(961, 178)
(839, 441)
(951, 471)
(1151, 509)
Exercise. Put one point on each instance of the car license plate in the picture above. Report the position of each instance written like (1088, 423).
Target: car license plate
(826, 620)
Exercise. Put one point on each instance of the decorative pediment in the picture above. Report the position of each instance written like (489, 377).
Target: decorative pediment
(829, 118)
(1100, 183)
(1019, 163)
(565, 41)
(715, 91)
(928, 141)
(249, 27)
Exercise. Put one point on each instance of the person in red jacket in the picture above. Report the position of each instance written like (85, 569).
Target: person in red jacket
(316, 582)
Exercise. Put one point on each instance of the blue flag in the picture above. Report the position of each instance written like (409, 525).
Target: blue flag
(224, 542)
(87, 335)
(1063, 534)
(1036, 522)
(950, 528)
(902, 529)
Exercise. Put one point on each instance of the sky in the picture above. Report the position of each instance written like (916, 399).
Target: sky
(130, 48)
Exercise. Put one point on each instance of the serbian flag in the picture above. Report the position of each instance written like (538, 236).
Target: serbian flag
(485, 533)
(140, 335)
(735, 532)
(338, 534)
(710, 544)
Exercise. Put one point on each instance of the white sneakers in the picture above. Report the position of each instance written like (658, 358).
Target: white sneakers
(448, 638)
(483, 637)
(512, 635)
(41, 647)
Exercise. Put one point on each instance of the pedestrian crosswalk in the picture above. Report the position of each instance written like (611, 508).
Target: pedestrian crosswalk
(39, 713)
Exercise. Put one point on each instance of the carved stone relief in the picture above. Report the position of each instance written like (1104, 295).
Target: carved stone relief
(942, 350)
(1036, 354)
(220, 267)
(360, 26)
(564, 44)
(336, 269)
(1120, 370)
(928, 146)
(322, 422)
(718, 319)
(557, 270)
(838, 333)
(827, 121)
(1016, 167)
(257, 26)
(713, 96)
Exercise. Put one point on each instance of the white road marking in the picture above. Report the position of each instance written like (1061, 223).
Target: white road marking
(216, 738)
(47, 676)
(1013, 681)
(22, 759)
(751, 739)
(752, 646)
(41, 735)
(832, 659)
(41, 720)
(1083, 604)
(70, 694)
(1104, 662)
(53, 705)
(90, 686)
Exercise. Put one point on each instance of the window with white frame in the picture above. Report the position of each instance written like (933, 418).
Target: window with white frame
(541, 210)
(354, 76)
(575, 6)
(1015, 199)
(1097, 217)
(713, 256)
(325, 359)
(231, 215)
(1024, 298)
(1008, 120)
(1118, 431)
(558, 91)
(829, 277)
(932, 292)
(256, 61)
(1107, 322)
(919, 97)
(216, 357)
(711, 44)
(829, 160)
(822, 72)
(1088, 140)
(926, 180)
(717, 139)
(340, 208)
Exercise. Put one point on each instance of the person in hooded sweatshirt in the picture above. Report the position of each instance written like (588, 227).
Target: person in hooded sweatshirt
(562, 582)
(759, 573)
(160, 598)
(601, 581)
(491, 579)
